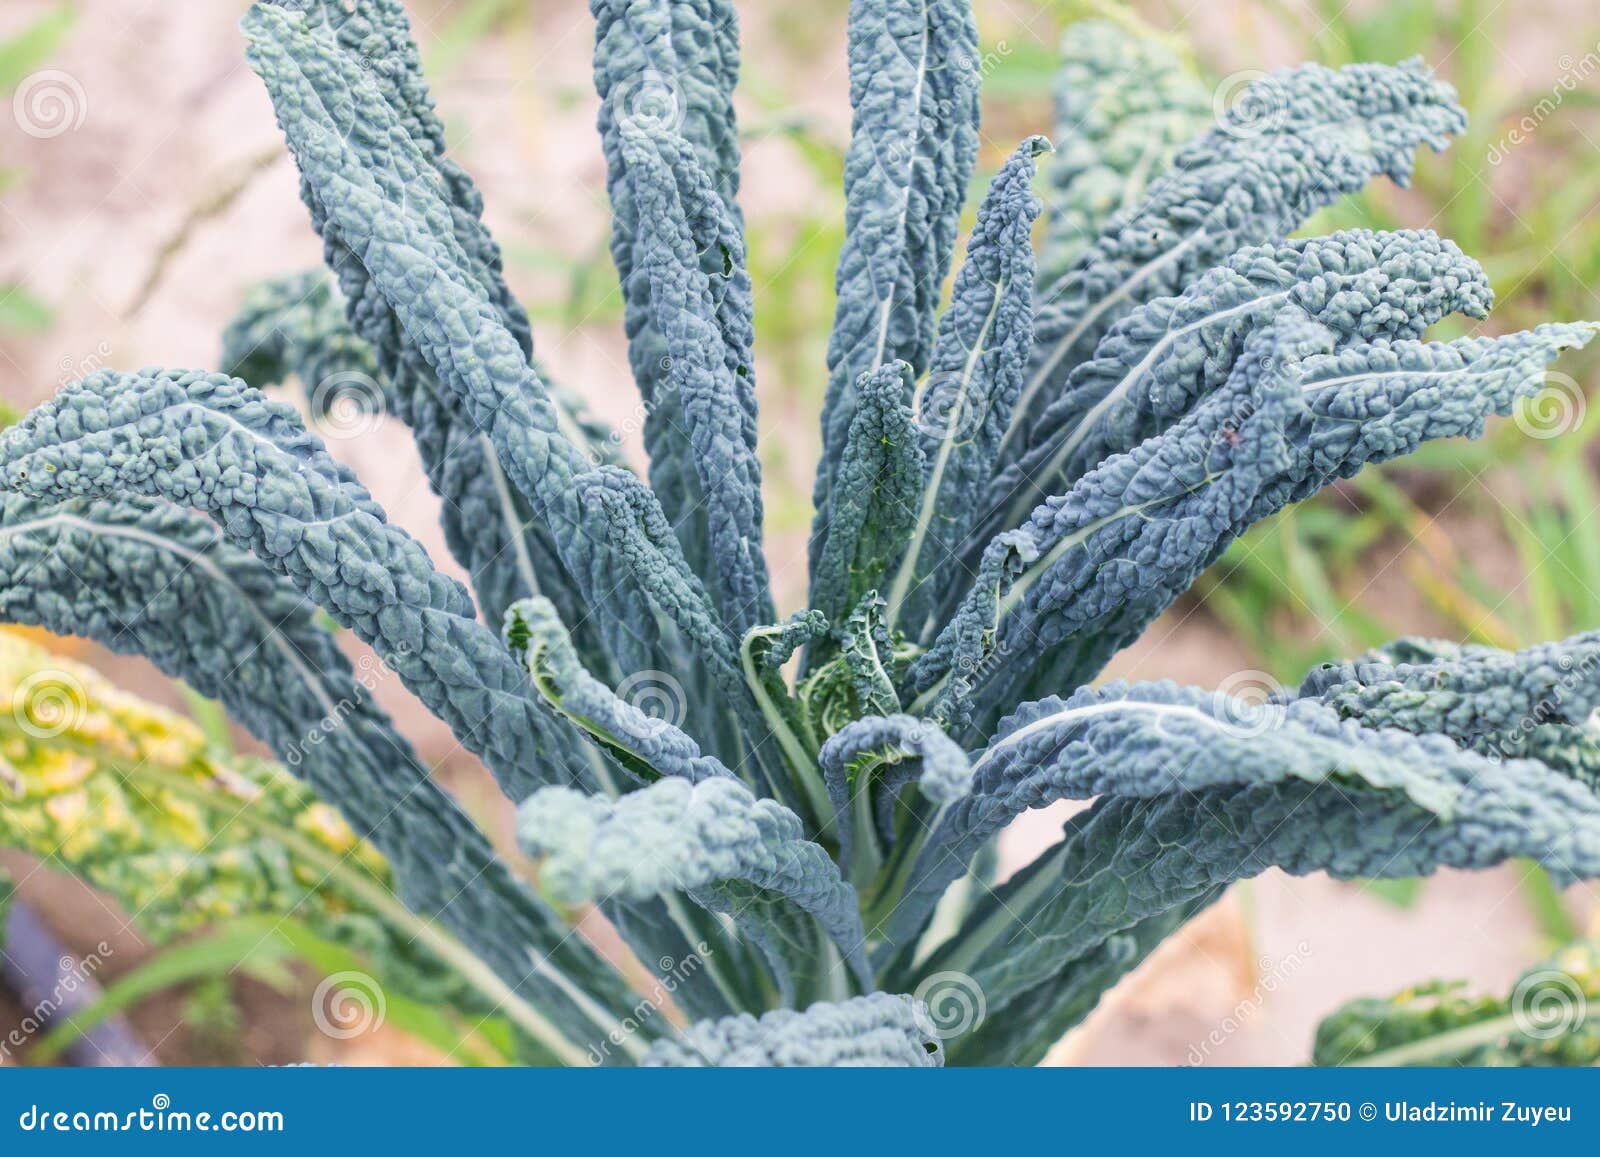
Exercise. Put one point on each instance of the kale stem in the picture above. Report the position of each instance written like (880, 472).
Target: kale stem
(866, 855)
(896, 874)
(803, 768)
(685, 925)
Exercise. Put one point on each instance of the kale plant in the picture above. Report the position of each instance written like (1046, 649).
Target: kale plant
(1011, 490)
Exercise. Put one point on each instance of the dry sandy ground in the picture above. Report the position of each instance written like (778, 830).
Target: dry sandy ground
(110, 227)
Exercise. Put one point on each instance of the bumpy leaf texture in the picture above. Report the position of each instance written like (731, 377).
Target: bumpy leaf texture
(875, 1030)
(913, 141)
(1091, 569)
(1125, 101)
(1196, 790)
(880, 486)
(1189, 373)
(1035, 1020)
(859, 681)
(669, 63)
(972, 385)
(144, 577)
(649, 746)
(1296, 141)
(389, 203)
(488, 526)
(867, 658)
(639, 735)
(215, 444)
(634, 529)
(699, 340)
(665, 73)
(390, 207)
(1154, 364)
(1537, 703)
(726, 849)
(866, 766)
(295, 328)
